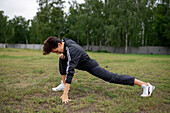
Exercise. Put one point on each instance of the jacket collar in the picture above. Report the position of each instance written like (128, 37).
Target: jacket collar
(65, 44)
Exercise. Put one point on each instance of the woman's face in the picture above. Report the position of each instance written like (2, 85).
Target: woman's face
(59, 49)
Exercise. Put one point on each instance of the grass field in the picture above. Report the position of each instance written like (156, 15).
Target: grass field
(26, 79)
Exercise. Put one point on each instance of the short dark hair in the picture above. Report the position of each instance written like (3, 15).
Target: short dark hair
(49, 44)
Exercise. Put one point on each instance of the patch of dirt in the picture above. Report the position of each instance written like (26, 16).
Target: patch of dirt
(88, 109)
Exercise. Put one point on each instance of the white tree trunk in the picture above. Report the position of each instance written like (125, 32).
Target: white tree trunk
(26, 41)
(143, 33)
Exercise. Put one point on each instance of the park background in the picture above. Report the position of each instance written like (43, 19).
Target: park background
(26, 76)
(118, 23)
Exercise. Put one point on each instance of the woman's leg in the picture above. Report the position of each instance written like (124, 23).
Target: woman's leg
(62, 69)
(64, 79)
(111, 77)
(122, 79)
(140, 83)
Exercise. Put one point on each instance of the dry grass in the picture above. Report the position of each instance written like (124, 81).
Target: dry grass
(26, 79)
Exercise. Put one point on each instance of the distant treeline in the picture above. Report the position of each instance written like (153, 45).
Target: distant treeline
(119, 23)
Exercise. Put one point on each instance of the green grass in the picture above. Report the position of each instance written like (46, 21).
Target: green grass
(26, 79)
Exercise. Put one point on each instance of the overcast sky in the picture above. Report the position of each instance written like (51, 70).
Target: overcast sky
(25, 8)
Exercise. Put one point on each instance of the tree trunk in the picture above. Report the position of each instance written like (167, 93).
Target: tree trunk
(126, 40)
(26, 41)
(130, 45)
(107, 2)
(92, 45)
(119, 37)
(146, 40)
(87, 43)
(143, 33)
(100, 45)
(77, 39)
(5, 37)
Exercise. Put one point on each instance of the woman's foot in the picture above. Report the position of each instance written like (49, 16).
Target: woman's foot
(61, 87)
(147, 90)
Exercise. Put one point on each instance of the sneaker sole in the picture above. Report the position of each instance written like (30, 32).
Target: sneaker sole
(57, 90)
(145, 95)
(153, 87)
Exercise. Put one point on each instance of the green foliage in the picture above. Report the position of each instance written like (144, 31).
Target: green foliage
(119, 23)
(4, 28)
(162, 25)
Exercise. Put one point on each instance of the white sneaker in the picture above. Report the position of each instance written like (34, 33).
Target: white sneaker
(60, 87)
(147, 90)
(151, 88)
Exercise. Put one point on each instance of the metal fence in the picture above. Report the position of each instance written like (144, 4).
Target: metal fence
(22, 46)
(133, 50)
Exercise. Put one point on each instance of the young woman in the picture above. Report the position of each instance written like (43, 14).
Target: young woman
(74, 56)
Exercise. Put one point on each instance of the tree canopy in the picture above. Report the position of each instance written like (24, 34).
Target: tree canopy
(119, 23)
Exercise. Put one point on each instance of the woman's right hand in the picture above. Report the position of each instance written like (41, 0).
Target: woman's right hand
(62, 56)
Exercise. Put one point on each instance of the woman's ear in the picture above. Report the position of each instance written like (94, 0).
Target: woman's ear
(59, 44)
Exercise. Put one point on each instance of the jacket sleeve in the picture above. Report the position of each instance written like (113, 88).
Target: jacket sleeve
(73, 55)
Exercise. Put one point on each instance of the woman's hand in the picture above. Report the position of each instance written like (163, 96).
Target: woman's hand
(62, 56)
(65, 98)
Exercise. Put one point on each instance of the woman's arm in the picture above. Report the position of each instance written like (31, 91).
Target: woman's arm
(64, 97)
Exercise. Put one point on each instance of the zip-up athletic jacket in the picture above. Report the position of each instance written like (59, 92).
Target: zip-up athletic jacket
(76, 58)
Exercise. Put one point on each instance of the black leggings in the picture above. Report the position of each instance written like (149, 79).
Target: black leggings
(100, 72)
